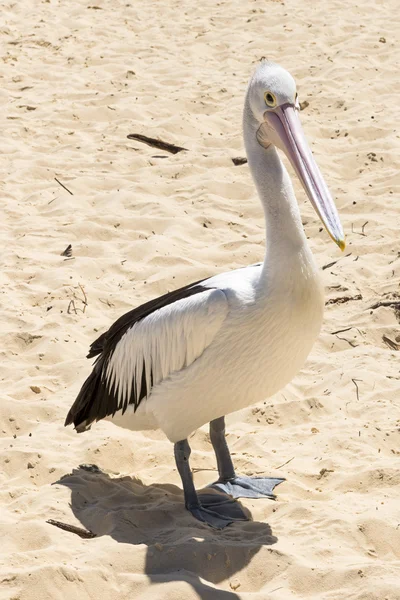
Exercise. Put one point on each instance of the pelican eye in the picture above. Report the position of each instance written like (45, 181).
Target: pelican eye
(270, 99)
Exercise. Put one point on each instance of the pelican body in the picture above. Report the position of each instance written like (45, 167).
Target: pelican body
(224, 343)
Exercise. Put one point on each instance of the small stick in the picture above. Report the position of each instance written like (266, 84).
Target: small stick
(355, 383)
(390, 343)
(85, 302)
(329, 265)
(83, 533)
(362, 228)
(62, 185)
(71, 303)
(109, 304)
(341, 330)
(156, 143)
(285, 463)
(334, 262)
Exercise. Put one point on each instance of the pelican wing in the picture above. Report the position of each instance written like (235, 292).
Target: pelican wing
(146, 346)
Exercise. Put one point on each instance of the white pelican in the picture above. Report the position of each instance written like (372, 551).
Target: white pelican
(221, 344)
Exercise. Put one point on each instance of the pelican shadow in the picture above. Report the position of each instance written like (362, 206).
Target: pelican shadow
(179, 548)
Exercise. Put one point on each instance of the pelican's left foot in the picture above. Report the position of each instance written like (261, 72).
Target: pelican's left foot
(216, 510)
(236, 485)
(248, 487)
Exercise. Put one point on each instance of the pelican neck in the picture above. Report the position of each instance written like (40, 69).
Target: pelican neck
(284, 230)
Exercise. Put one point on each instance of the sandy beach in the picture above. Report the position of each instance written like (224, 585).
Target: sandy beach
(76, 78)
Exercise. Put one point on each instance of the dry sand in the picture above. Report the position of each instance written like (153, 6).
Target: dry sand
(76, 78)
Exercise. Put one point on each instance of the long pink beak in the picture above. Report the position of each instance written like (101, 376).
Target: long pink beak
(286, 123)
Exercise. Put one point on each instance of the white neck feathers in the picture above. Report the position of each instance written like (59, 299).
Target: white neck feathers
(284, 231)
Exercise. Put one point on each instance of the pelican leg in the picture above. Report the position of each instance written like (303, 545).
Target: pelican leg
(214, 509)
(238, 486)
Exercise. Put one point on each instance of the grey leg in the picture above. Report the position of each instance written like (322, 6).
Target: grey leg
(226, 469)
(235, 485)
(182, 454)
(213, 509)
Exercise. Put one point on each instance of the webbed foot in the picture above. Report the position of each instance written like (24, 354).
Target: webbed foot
(242, 486)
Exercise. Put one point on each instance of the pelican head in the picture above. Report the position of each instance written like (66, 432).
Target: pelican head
(275, 105)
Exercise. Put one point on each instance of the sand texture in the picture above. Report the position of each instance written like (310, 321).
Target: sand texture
(76, 78)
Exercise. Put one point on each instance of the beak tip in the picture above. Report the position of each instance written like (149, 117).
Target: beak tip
(341, 243)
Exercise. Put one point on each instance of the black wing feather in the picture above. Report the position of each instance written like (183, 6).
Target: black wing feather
(96, 400)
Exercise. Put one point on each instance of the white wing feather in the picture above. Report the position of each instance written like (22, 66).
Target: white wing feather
(166, 341)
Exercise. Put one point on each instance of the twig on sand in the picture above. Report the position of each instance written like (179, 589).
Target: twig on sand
(156, 143)
(393, 345)
(355, 383)
(84, 301)
(334, 262)
(71, 304)
(109, 304)
(83, 533)
(341, 330)
(62, 185)
(329, 265)
(285, 463)
(362, 229)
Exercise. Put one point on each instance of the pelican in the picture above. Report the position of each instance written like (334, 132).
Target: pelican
(215, 346)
